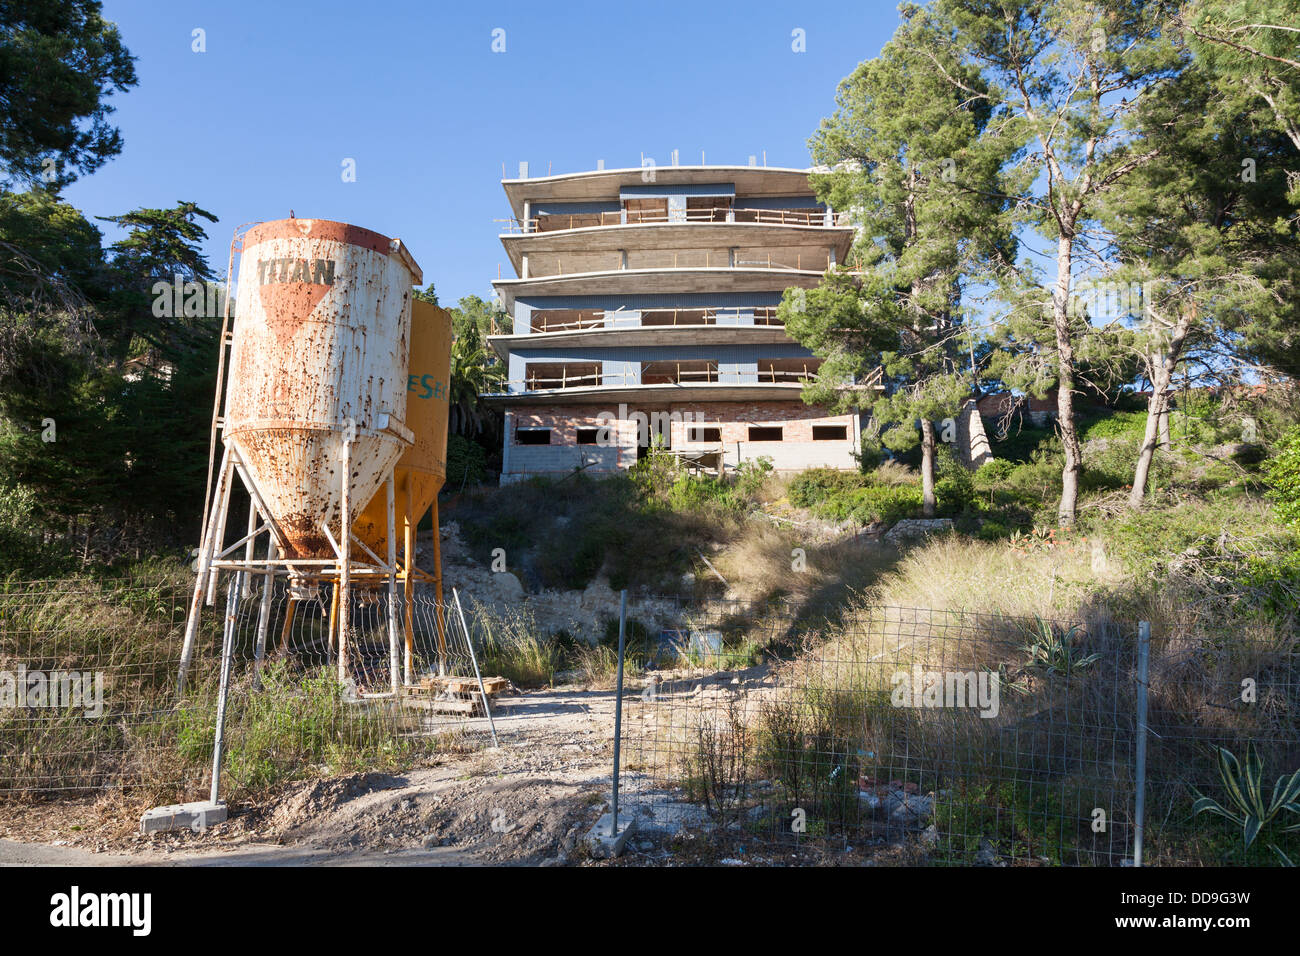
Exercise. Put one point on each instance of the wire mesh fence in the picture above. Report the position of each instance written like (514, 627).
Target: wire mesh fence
(89, 698)
(904, 734)
(916, 736)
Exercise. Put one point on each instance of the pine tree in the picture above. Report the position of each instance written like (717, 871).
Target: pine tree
(1061, 76)
(907, 155)
(1206, 234)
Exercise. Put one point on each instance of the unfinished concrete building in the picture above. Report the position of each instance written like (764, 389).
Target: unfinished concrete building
(644, 309)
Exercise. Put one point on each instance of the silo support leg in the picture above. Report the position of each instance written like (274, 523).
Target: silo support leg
(408, 584)
(227, 656)
(206, 545)
(334, 620)
(437, 590)
(286, 631)
(345, 555)
(264, 615)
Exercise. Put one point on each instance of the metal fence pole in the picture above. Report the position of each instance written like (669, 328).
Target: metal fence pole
(227, 653)
(469, 642)
(1144, 655)
(618, 707)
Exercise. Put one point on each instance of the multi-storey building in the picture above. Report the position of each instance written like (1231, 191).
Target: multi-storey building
(644, 312)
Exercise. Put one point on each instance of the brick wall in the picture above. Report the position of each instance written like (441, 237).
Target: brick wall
(797, 449)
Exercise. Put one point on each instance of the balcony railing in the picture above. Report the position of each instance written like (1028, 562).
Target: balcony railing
(574, 320)
(660, 373)
(550, 266)
(559, 222)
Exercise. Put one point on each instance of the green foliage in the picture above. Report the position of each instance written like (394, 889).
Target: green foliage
(466, 462)
(25, 551)
(954, 485)
(475, 316)
(993, 472)
(815, 485)
(288, 730)
(514, 648)
(474, 372)
(887, 503)
(1283, 474)
(1113, 424)
(1054, 650)
(1246, 805)
(60, 61)
(750, 476)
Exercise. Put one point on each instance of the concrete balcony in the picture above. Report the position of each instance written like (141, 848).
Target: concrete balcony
(742, 277)
(566, 222)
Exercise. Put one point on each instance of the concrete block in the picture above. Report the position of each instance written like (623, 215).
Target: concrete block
(196, 816)
(602, 843)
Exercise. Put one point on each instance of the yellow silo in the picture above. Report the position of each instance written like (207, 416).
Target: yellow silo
(421, 471)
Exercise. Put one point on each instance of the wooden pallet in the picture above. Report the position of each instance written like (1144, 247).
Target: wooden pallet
(463, 686)
(468, 708)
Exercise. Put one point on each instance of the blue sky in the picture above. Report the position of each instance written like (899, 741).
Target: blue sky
(262, 121)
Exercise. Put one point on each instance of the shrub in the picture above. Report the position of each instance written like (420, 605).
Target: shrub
(1114, 424)
(1038, 479)
(812, 487)
(994, 472)
(1283, 474)
(466, 461)
(954, 486)
(873, 503)
(752, 475)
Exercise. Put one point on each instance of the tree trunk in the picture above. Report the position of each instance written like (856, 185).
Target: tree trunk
(1150, 438)
(1160, 370)
(1065, 384)
(927, 468)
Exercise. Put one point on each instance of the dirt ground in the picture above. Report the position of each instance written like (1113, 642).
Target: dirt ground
(527, 802)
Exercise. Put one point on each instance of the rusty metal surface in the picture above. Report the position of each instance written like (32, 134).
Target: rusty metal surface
(322, 338)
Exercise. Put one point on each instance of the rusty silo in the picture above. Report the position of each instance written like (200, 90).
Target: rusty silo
(315, 402)
(319, 359)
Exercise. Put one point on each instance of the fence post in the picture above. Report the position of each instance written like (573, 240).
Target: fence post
(618, 709)
(469, 642)
(1144, 655)
(227, 653)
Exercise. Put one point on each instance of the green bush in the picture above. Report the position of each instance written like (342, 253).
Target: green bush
(1114, 424)
(1038, 479)
(886, 503)
(24, 550)
(1283, 474)
(954, 485)
(812, 487)
(466, 462)
(752, 475)
(993, 472)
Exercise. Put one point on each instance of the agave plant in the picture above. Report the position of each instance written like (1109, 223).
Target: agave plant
(1247, 807)
(1055, 653)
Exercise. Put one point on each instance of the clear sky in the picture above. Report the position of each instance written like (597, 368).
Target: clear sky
(263, 121)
